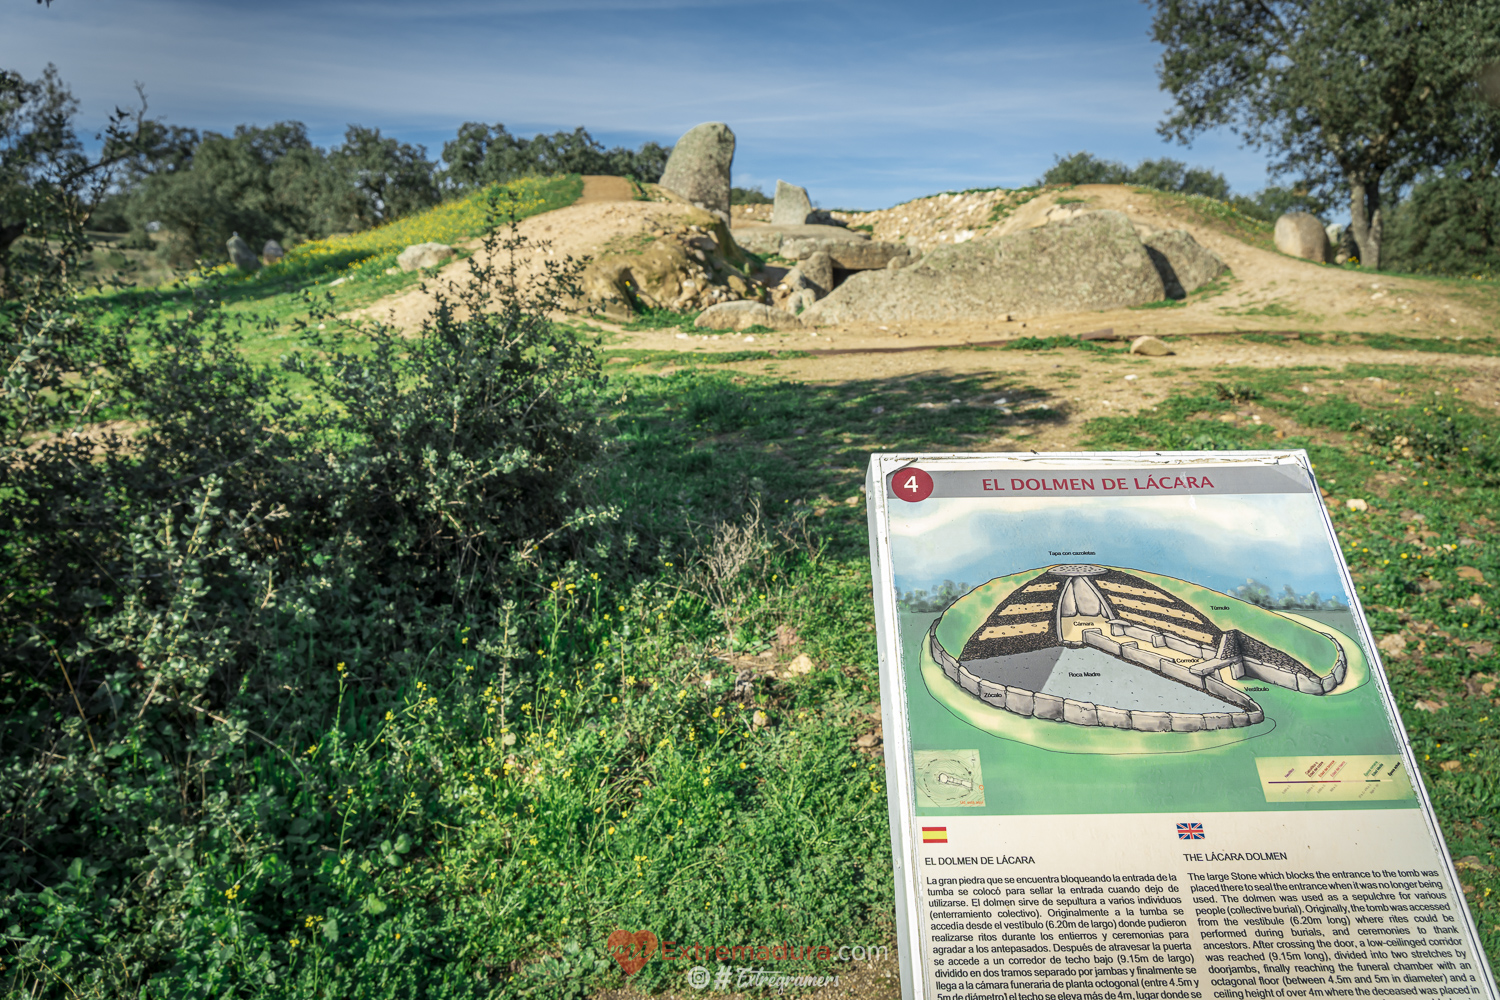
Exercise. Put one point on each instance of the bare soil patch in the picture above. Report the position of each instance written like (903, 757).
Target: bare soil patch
(603, 188)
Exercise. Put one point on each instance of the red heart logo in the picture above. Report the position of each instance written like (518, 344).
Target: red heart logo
(632, 951)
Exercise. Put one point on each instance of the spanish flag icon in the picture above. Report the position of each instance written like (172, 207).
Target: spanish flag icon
(934, 834)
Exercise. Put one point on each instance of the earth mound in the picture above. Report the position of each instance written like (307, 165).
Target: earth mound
(1092, 261)
(673, 255)
(1105, 646)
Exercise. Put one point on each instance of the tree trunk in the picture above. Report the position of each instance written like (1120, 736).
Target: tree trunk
(1366, 220)
(8, 236)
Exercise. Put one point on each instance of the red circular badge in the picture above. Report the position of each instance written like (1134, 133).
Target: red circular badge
(912, 485)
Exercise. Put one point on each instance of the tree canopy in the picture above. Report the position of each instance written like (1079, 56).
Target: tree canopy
(1164, 174)
(49, 182)
(1353, 96)
(485, 154)
(262, 182)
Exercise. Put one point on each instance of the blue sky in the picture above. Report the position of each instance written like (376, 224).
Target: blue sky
(1218, 542)
(865, 102)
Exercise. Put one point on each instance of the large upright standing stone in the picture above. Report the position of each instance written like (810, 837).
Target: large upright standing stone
(793, 207)
(240, 254)
(698, 168)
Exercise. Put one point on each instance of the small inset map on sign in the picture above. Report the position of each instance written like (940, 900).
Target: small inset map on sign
(948, 778)
(1335, 777)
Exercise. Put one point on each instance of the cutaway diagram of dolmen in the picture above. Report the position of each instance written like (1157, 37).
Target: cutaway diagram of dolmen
(1101, 646)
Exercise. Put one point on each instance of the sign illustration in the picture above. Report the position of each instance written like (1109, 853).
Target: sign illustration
(1148, 749)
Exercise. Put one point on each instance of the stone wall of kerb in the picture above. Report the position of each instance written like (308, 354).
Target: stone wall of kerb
(1244, 655)
(1158, 639)
(1304, 680)
(1135, 653)
(1040, 705)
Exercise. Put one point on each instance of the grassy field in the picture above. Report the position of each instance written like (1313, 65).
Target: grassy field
(1422, 551)
(663, 757)
(357, 261)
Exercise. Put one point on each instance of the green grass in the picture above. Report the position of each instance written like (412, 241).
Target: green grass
(281, 291)
(1273, 309)
(1214, 214)
(661, 319)
(1431, 345)
(1053, 343)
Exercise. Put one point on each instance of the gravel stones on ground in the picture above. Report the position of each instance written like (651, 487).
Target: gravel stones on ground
(1095, 261)
(792, 207)
(699, 167)
(420, 255)
(940, 220)
(743, 315)
(1300, 234)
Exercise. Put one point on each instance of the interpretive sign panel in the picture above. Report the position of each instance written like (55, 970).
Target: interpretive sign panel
(1139, 743)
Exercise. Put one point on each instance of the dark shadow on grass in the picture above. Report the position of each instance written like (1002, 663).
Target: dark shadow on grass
(698, 445)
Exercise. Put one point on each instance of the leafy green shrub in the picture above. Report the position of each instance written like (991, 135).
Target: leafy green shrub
(176, 738)
(748, 196)
(1272, 202)
(1163, 174)
(488, 154)
(1450, 224)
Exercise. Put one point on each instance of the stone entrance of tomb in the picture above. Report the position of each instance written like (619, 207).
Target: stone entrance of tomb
(1080, 603)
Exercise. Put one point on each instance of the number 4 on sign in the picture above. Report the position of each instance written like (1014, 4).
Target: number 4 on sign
(912, 485)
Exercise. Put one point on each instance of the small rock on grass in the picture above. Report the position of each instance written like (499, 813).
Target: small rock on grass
(420, 255)
(1355, 503)
(740, 315)
(1151, 347)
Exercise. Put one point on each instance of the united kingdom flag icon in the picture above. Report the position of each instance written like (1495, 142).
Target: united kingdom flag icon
(1189, 831)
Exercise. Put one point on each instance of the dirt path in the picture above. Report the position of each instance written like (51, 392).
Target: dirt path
(1079, 386)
